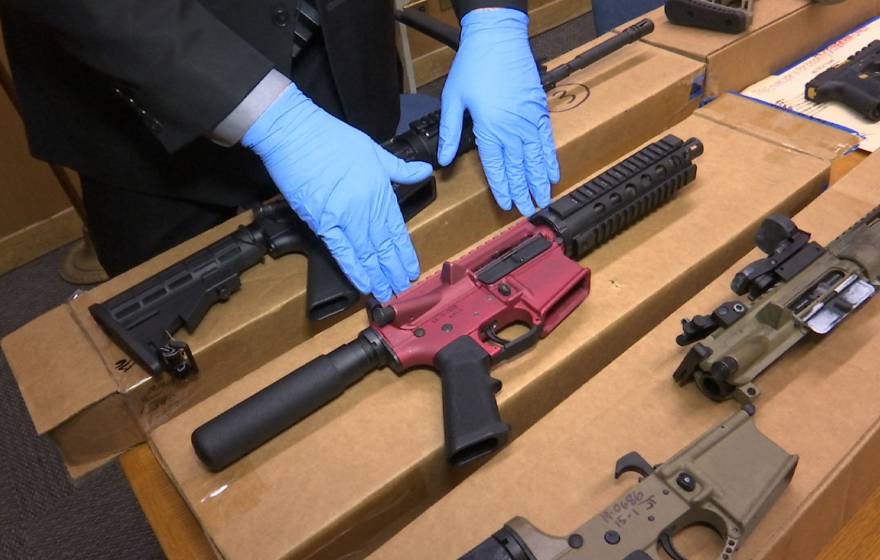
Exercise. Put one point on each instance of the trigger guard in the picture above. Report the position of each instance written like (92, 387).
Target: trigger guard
(510, 348)
(665, 541)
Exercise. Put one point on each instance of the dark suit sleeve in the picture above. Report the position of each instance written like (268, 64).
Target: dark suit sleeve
(462, 7)
(173, 61)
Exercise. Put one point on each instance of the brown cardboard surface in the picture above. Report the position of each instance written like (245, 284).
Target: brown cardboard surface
(52, 403)
(633, 95)
(56, 405)
(775, 125)
(349, 476)
(39, 238)
(818, 401)
(782, 32)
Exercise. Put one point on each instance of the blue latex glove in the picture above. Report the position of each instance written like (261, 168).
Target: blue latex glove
(495, 78)
(338, 180)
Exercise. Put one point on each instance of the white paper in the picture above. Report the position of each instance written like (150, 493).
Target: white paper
(786, 89)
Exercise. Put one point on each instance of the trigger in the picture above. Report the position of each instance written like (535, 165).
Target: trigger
(510, 348)
(666, 544)
(633, 462)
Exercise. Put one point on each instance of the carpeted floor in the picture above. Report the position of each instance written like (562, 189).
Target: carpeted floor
(43, 515)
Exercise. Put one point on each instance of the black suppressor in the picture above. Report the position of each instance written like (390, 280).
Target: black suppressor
(251, 423)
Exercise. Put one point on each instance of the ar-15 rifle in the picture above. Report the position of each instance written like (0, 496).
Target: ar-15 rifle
(143, 319)
(727, 479)
(453, 321)
(855, 83)
(421, 141)
(800, 287)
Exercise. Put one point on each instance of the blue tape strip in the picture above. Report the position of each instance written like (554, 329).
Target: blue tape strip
(698, 86)
(708, 100)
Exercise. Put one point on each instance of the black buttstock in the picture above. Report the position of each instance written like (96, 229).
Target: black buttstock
(855, 83)
(471, 421)
(606, 205)
(256, 420)
(139, 319)
(710, 15)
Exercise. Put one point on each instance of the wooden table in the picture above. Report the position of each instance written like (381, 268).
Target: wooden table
(182, 538)
(175, 526)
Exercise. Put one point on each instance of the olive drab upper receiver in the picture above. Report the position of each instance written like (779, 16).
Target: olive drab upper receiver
(799, 288)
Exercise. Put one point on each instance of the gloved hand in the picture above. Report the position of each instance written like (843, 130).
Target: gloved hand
(495, 78)
(338, 180)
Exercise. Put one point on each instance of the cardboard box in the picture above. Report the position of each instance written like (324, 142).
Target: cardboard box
(349, 476)
(782, 32)
(819, 401)
(68, 368)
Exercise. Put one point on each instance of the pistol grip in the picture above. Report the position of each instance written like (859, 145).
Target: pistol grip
(471, 420)
(328, 290)
(415, 198)
(862, 101)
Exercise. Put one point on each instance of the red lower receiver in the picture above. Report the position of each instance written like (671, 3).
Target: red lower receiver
(454, 321)
(502, 283)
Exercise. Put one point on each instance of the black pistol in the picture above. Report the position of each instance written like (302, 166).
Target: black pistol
(855, 83)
